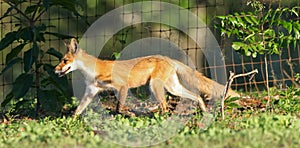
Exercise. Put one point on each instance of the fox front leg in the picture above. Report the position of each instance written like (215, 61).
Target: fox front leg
(88, 97)
(121, 95)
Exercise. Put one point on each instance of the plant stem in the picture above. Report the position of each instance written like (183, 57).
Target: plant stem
(37, 71)
(37, 83)
(267, 79)
(265, 56)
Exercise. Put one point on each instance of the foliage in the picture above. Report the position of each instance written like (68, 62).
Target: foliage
(36, 75)
(67, 132)
(262, 31)
(287, 101)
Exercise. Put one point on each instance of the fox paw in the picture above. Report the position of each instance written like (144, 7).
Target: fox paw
(124, 110)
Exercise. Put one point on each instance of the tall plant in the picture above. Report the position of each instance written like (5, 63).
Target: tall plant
(263, 31)
(36, 74)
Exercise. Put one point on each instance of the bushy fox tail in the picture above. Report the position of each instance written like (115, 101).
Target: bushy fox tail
(198, 83)
(213, 88)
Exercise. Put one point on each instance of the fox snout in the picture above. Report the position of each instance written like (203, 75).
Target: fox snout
(62, 70)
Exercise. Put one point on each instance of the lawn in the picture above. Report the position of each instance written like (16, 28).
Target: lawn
(251, 125)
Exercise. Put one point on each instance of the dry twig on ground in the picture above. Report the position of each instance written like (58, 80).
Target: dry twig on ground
(228, 84)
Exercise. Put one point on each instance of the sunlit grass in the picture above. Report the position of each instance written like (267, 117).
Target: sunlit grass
(278, 127)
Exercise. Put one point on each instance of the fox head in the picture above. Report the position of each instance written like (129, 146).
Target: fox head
(68, 62)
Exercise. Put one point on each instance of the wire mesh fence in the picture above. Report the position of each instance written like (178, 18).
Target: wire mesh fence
(283, 67)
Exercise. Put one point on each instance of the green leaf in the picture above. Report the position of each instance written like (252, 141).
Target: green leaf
(46, 4)
(22, 102)
(60, 83)
(254, 54)
(28, 60)
(39, 32)
(35, 50)
(116, 55)
(7, 40)
(266, 16)
(7, 99)
(14, 52)
(45, 82)
(60, 36)
(55, 53)
(30, 9)
(42, 27)
(252, 48)
(295, 43)
(240, 21)
(272, 20)
(248, 19)
(233, 20)
(295, 11)
(254, 19)
(231, 99)
(296, 26)
(248, 53)
(222, 24)
(233, 105)
(275, 49)
(10, 64)
(287, 25)
(6, 14)
(229, 33)
(42, 54)
(49, 100)
(67, 4)
(237, 45)
(290, 27)
(17, 2)
(249, 36)
(260, 48)
(26, 34)
(221, 17)
(22, 85)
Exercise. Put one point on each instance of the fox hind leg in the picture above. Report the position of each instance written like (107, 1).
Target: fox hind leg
(157, 89)
(174, 87)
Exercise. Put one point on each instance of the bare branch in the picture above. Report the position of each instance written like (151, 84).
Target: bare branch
(228, 85)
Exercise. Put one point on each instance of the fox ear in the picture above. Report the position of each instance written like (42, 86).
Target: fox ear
(66, 43)
(73, 46)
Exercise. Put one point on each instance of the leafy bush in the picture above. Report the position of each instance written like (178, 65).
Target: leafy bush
(50, 91)
(263, 30)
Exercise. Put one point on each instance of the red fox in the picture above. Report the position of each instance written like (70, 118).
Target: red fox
(161, 72)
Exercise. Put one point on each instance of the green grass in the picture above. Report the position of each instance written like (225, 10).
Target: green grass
(261, 130)
(279, 127)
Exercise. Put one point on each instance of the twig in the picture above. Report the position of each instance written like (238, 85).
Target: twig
(228, 84)
(38, 17)
(19, 11)
(289, 77)
(36, 9)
